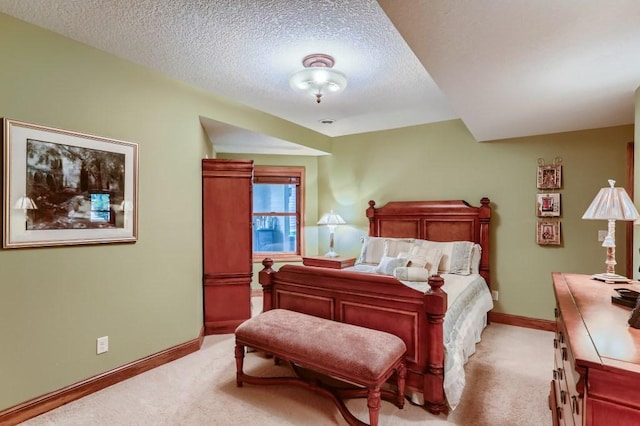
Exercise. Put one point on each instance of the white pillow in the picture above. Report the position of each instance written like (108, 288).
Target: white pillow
(421, 257)
(434, 257)
(372, 250)
(388, 264)
(476, 255)
(408, 273)
(417, 256)
(394, 246)
(456, 256)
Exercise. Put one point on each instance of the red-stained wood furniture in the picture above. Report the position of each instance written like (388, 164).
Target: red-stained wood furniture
(226, 243)
(381, 302)
(596, 376)
(329, 262)
(326, 347)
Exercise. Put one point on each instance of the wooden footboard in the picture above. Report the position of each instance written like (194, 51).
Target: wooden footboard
(373, 301)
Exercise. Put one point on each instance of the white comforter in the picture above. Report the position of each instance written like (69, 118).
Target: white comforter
(468, 301)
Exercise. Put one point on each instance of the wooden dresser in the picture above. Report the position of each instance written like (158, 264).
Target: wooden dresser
(596, 376)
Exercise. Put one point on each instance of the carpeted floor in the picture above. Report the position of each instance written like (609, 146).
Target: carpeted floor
(507, 384)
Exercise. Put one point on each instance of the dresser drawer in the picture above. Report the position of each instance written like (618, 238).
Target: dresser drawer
(566, 376)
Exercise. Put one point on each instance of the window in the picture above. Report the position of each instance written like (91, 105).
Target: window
(278, 199)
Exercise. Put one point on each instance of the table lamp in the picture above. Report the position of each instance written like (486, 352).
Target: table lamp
(331, 219)
(611, 204)
(25, 204)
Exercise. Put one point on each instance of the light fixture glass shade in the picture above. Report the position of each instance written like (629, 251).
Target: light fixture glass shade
(318, 80)
(318, 77)
(612, 203)
(25, 203)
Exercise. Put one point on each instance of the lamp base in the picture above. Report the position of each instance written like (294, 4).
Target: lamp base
(611, 278)
(331, 254)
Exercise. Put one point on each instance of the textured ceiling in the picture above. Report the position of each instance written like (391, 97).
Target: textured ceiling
(506, 68)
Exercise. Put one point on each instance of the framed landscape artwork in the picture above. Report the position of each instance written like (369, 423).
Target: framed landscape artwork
(67, 188)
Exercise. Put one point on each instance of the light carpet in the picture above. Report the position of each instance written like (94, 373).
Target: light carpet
(507, 384)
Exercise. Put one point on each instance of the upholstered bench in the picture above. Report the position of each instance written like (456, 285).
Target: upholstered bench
(356, 355)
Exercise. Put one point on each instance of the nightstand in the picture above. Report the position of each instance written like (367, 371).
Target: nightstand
(329, 262)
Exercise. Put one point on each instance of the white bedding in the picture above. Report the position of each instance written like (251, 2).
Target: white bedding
(468, 301)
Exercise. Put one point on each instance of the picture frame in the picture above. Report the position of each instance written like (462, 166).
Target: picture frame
(549, 177)
(548, 233)
(67, 188)
(548, 205)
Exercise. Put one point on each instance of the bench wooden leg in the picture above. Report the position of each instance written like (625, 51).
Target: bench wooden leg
(401, 374)
(373, 402)
(239, 364)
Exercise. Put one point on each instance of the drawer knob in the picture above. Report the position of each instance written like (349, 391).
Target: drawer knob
(555, 343)
(565, 357)
(575, 406)
(560, 374)
(555, 375)
(563, 397)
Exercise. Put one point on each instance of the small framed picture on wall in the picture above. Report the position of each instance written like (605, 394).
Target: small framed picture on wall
(548, 233)
(548, 205)
(549, 177)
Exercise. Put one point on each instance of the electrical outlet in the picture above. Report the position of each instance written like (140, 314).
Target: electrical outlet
(102, 345)
(494, 294)
(602, 235)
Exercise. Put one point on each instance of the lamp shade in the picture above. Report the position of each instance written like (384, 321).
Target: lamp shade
(612, 203)
(126, 206)
(331, 218)
(25, 203)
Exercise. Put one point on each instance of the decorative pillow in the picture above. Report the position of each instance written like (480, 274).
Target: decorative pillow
(389, 264)
(434, 257)
(460, 258)
(456, 256)
(417, 256)
(372, 250)
(394, 246)
(408, 273)
(476, 254)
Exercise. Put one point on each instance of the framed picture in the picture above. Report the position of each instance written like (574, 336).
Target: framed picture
(548, 233)
(67, 188)
(548, 205)
(549, 177)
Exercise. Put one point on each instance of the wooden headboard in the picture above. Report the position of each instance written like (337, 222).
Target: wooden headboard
(452, 220)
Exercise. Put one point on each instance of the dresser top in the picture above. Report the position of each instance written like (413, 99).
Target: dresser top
(598, 329)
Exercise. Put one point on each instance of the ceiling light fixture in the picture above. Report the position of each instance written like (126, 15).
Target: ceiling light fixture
(318, 76)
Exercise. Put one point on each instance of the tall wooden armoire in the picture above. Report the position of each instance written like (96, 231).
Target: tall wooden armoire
(227, 245)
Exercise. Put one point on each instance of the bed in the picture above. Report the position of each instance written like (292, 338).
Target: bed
(440, 331)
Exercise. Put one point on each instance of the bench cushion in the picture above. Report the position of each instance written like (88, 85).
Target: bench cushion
(332, 347)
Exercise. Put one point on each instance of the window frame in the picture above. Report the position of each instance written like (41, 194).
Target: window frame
(283, 175)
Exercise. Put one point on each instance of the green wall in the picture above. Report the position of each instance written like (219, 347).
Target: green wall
(147, 296)
(442, 161)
